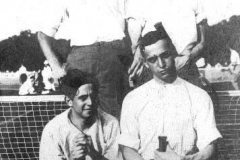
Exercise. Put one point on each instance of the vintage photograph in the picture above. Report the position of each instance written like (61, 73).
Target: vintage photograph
(120, 80)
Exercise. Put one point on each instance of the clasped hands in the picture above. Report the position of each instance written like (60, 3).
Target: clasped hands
(82, 146)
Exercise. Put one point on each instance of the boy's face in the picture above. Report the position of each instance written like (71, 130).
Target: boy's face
(159, 58)
(84, 103)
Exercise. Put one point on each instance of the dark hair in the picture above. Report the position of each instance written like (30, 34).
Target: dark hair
(74, 79)
(23, 78)
(153, 36)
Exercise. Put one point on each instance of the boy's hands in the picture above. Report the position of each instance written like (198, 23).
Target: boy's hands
(82, 146)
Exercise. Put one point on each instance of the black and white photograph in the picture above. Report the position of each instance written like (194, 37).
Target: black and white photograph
(120, 80)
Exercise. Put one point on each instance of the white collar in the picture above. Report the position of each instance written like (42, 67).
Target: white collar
(174, 83)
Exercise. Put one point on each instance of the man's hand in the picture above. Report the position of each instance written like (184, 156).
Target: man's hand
(168, 155)
(80, 147)
(137, 65)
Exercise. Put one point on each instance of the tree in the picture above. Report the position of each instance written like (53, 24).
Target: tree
(25, 50)
(219, 38)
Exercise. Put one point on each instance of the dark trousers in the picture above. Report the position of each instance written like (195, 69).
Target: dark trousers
(102, 60)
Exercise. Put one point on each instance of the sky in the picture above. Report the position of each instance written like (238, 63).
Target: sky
(20, 15)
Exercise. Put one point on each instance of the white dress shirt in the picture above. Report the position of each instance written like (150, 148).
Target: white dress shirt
(85, 22)
(58, 134)
(181, 111)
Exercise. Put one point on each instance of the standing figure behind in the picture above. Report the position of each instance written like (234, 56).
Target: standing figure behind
(96, 32)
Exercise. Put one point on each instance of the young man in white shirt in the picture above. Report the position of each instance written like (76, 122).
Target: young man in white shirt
(83, 131)
(166, 106)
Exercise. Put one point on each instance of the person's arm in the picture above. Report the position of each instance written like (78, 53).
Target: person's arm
(129, 140)
(205, 154)
(197, 50)
(205, 126)
(130, 153)
(49, 147)
(191, 51)
(112, 134)
(45, 43)
(135, 21)
(201, 24)
(135, 31)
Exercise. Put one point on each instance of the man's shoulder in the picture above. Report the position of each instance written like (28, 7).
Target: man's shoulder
(140, 92)
(137, 99)
(195, 91)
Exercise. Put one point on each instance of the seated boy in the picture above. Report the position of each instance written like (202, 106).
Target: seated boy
(83, 131)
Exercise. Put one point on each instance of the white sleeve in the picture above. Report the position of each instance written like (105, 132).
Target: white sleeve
(199, 11)
(129, 125)
(112, 150)
(135, 9)
(49, 147)
(53, 20)
(122, 5)
(204, 122)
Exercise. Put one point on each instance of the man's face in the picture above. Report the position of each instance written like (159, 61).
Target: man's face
(84, 103)
(159, 58)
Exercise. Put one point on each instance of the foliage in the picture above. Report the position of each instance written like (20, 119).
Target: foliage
(219, 38)
(25, 50)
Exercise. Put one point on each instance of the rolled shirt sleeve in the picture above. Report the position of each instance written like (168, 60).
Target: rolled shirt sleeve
(204, 122)
(129, 126)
